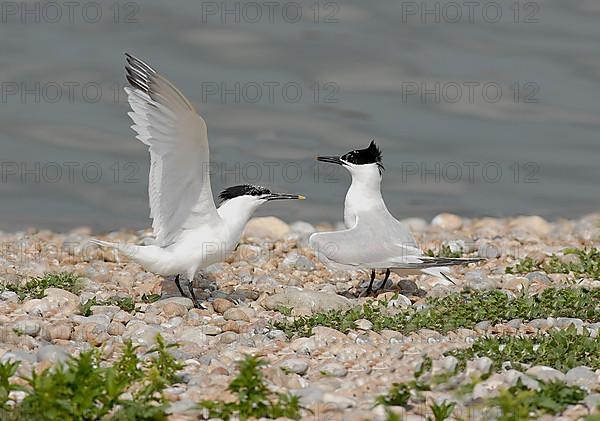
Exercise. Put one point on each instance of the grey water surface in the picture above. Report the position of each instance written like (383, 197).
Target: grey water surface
(476, 114)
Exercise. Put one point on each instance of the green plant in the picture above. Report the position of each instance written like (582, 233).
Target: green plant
(124, 303)
(150, 298)
(7, 370)
(441, 411)
(398, 395)
(586, 264)
(253, 398)
(560, 349)
(459, 310)
(444, 251)
(519, 403)
(35, 287)
(84, 388)
(286, 311)
(391, 415)
(425, 366)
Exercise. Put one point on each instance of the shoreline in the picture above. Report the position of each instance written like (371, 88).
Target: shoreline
(271, 299)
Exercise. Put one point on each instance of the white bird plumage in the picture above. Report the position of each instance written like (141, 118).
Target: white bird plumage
(190, 231)
(373, 238)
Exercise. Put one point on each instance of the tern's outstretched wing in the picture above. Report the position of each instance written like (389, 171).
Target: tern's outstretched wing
(365, 247)
(179, 186)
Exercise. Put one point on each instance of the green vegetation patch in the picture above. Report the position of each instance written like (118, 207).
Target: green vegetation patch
(560, 349)
(85, 389)
(445, 251)
(34, 288)
(515, 403)
(519, 403)
(124, 303)
(401, 393)
(398, 395)
(459, 310)
(587, 264)
(253, 398)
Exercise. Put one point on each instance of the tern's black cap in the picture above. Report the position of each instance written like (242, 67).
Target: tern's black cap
(242, 190)
(369, 155)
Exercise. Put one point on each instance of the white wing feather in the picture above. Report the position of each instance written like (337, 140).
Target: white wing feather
(373, 247)
(179, 182)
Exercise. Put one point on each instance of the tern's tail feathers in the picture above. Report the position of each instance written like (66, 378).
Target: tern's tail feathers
(129, 250)
(448, 261)
(424, 262)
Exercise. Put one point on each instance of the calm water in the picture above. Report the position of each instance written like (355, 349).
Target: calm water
(474, 116)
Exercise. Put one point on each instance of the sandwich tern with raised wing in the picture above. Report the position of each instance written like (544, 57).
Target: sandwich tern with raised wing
(373, 238)
(190, 232)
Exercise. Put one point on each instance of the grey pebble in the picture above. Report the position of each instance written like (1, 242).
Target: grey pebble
(297, 261)
(333, 370)
(565, 322)
(18, 355)
(52, 353)
(538, 276)
(582, 376)
(545, 374)
(295, 365)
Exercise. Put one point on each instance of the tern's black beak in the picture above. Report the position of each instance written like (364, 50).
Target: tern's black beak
(282, 196)
(331, 159)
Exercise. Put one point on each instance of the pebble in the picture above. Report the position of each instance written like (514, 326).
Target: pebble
(533, 224)
(28, 327)
(174, 309)
(415, 224)
(539, 277)
(266, 227)
(297, 261)
(235, 314)
(545, 374)
(565, 322)
(341, 402)
(140, 333)
(447, 222)
(221, 305)
(115, 328)
(92, 333)
(192, 334)
(22, 356)
(445, 365)
(399, 300)
(363, 324)
(333, 370)
(592, 401)
(56, 330)
(479, 366)
(330, 369)
(315, 301)
(52, 353)
(295, 365)
(183, 301)
(582, 376)
(9, 296)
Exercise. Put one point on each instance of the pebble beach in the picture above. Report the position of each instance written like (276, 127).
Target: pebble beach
(273, 279)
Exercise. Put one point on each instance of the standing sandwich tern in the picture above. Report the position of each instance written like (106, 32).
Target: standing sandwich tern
(373, 238)
(190, 232)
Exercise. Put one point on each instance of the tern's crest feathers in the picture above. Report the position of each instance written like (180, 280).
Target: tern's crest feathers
(369, 155)
(242, 190)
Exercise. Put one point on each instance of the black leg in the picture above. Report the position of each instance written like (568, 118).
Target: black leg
(179, 286)
(193, 296)
(372, 279)
(387, 276)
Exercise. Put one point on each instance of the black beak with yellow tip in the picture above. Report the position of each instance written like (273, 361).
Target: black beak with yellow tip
(283, 196)
(330, 159)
